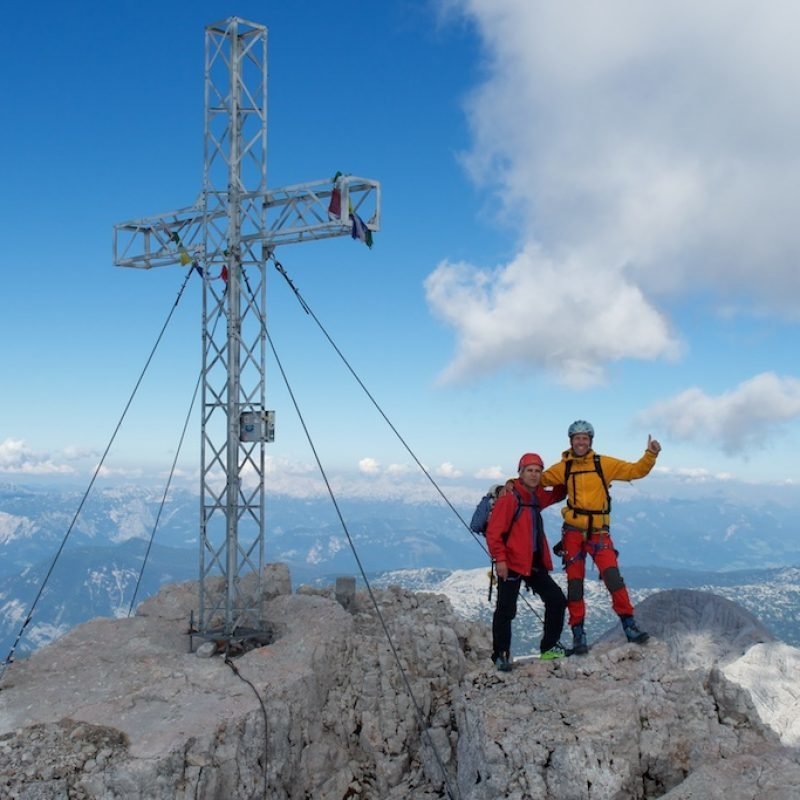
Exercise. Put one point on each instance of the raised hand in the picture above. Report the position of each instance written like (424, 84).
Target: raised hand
(653, 445)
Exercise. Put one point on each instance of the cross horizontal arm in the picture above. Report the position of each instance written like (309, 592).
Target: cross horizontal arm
(298, 213)
(161, 240)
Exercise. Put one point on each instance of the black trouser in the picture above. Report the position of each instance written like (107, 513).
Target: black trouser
(506, 609)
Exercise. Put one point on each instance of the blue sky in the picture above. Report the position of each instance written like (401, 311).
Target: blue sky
(589, 211)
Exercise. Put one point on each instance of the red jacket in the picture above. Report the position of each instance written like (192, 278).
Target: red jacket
(517, 550)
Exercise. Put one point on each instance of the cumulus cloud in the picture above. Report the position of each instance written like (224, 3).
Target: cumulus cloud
(447, 470)
(735, 421)
(369, 466)
(17, 457)
(642, 152)
(693, 474)
(79, 453)
(290, 467)
(490, 474)
(119, 472)
(520, 313)
(401, 469)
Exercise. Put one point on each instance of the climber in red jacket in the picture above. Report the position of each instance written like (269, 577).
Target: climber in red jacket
(520, 551)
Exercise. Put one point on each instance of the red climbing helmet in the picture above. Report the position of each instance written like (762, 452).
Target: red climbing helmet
(528, 459)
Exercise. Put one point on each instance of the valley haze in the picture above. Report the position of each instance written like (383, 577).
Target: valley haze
(734, 539)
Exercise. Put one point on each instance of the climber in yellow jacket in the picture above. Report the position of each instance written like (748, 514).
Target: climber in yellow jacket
(587, 477)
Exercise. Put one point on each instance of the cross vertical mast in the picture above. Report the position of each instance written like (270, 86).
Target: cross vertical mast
(235, 179)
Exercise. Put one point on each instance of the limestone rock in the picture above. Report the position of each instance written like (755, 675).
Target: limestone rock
(700, 628)
(335, 709)
(769, 672)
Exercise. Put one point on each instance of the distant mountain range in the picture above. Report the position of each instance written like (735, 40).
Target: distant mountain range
(772, 595)
(741, 550)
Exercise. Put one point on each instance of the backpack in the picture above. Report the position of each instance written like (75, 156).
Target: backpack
(480, 519)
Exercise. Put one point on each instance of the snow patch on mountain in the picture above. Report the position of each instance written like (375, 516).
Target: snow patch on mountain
(324, 550)
(13, 611)
(133, 520)
(112, 584)
(14, 527)
(43, 633)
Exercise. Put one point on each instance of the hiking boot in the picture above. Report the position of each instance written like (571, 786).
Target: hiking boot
(503, 662)
(632, 631)
(579, 645)
(556, 651)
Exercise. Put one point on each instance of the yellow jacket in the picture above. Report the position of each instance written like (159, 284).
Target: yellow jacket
(585, 486)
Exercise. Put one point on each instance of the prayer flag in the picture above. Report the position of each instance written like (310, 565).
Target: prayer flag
(335, 206)
(360, 230)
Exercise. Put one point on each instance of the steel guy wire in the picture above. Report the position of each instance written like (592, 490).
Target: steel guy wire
(418, 711)
(169, 478)
(374, 402)
(10, 656)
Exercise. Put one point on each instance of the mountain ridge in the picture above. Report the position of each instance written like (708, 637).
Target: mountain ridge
(103, 555)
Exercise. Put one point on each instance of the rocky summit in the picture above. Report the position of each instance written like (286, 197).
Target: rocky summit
(389, 695)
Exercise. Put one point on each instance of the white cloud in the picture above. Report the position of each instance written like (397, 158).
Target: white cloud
(641, 151)
(520, 314)
(447, 470)
(693, 474)
(490, 474)
(285, 466)
(119, 472)
(16, 457)
(369, 466)
(401, 469)
(735, 421)
(79, 453)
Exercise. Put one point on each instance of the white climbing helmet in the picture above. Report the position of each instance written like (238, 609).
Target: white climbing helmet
(581, 426)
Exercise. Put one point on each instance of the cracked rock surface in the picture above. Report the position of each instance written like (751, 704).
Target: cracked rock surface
(121, 709)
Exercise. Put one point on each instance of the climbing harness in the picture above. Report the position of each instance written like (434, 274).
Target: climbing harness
(591, 513)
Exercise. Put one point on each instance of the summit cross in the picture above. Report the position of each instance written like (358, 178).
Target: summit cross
(228, 235)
